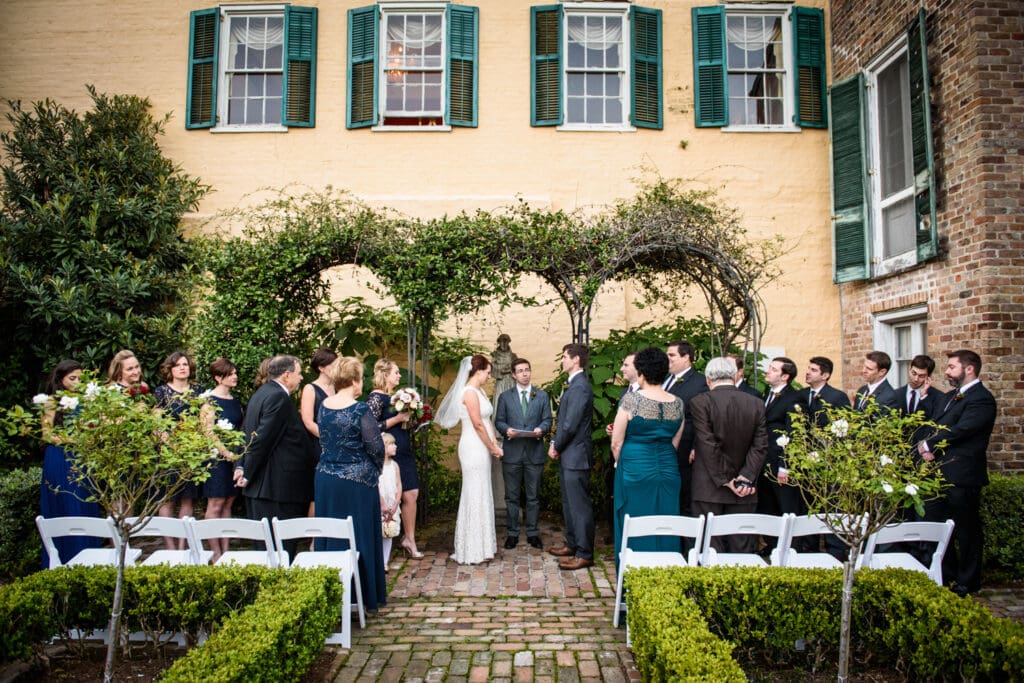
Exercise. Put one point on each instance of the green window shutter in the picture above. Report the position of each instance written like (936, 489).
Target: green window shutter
(201, 100)
(849, 181)
(809, 48)
(546, 65)
(299, 99)
(646, 61)
(463, 29)
(921, 138)
(362, 67)
(710, 99)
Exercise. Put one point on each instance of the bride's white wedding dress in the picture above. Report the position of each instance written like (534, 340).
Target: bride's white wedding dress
(475, 538)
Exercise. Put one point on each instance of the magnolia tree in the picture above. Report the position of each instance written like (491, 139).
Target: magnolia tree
(129, 454)
(857, 469)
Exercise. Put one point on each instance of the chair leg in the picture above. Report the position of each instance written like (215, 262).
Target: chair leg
(359, 595)
(618, 599)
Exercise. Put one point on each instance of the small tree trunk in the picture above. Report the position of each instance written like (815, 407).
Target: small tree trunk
(114, 627)
(845, 623)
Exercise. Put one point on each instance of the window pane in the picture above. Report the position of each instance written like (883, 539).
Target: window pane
(236, 110)
(613, 85)
(577, 56)
(272, 110)
(595, 110)
(256, 86)
(898, 228)
(254, 111)
(775, 112)
(574, 110)
(274, 85)
(574, 85)
(756, 84)
(896, 160)
(236, 86)
(613, 112)
(595, 84)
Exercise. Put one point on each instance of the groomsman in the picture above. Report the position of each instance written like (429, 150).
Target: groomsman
(874, 371)
(573, 448)
(276, 471)
(738, 380)
(685, 382)
(818, 393)
(965, 424)
(918, 395)
(779, 401)
(523, 418)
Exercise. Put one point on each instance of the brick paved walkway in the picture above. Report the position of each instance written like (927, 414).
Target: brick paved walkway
(517, 618)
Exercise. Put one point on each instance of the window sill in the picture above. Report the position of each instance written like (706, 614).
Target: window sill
(761, 129)
(588, 128)
(414, 129)
(249, 129)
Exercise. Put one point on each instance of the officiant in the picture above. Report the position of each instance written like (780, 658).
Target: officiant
(523, 418)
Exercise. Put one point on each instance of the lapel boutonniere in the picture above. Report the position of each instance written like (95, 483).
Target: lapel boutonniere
(533, 395)
(958, 396)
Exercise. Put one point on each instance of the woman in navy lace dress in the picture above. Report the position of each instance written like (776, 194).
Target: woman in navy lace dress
(351, 458)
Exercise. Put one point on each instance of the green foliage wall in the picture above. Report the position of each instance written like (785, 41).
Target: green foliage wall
(20, 547)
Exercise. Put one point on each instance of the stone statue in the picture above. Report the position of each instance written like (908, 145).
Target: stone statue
(501, 366)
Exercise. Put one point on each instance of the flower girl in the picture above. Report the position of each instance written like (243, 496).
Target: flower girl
(390, 496)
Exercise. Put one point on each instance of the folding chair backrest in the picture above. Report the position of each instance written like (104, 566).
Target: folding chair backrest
(912, 532)
(172, 527)
(313, 527)
(662, 525)
(235, 528)
(55, 527)
(745, 523)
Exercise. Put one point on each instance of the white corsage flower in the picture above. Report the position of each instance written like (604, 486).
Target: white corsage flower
(39, 399)
(911, 490)
(839, 428)
(782, 441)
(68, 402)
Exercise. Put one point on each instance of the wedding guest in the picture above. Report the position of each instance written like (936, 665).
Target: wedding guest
(312, 397)
(685, 382)
(262, 372)
(466, 402)
(645, 438)
(347, 477)
(390, 485)
(629, 374)
(125, 371)
(386, 378)
(173, 397)
(61, 494)
(219, 489)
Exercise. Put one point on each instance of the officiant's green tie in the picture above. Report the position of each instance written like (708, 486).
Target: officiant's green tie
(524, 404)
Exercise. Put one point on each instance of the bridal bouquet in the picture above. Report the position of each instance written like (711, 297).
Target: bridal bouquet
(408, 400)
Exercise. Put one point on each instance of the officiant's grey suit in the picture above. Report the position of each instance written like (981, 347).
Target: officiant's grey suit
(523, 461)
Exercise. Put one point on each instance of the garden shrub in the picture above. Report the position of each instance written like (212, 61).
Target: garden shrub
(900, 619)
(1002, 513)
(20, 547)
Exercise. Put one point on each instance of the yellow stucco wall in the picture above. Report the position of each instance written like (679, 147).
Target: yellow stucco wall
(777, 181)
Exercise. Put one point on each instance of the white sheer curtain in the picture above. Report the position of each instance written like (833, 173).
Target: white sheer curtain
(255, 36)
(421, 31)
(590, 32)
(753, 35)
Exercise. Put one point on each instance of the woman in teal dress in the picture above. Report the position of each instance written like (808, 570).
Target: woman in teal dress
(645, 435)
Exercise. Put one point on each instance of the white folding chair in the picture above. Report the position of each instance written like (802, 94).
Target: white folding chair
(245, 529)
(654, 525)
(172, 527)
(743, 523)
(938, 533)
(798, 526)
(345, 561)
(96, 527)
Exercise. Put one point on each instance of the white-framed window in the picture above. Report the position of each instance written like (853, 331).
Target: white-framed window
(412, 71)
(902, 334)
(758, 64)
(252, 57)
(891, 160)
(596, 78)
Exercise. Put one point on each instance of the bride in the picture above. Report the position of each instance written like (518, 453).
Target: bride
(475, 538)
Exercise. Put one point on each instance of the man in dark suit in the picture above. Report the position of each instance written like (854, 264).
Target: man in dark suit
(819, 393)
(775, 498)
(918, 395)
(730, 444)
(628, 371)
(276, 471)
(740, 383)
(965, 424)
(573, 448)
(523, 418)
(685, 382)
(874, 370)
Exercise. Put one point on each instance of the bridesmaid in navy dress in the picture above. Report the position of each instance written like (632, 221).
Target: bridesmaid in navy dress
(60, 494)
(346, 483)
(219, 489)
(386, 377)
(312, 397)
(173, 397)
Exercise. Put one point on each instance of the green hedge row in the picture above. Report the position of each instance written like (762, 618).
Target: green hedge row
(264, 624)
(20, 547)
(1002, 511)
(689, 623)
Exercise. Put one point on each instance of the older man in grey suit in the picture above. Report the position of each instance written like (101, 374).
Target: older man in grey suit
(523, 418)
(573, 448)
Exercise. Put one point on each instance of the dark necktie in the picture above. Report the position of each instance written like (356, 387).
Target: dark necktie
(525, 402)
(810, 398)
(669, 382)
(912, 403)
(771, 397)
(863, 400)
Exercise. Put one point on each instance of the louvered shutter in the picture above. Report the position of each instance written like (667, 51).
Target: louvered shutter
(463, 29)
(849, 181)
(646, 62)
(300, 66)
(362, 67)
(809, 50)
(711, 101)
(546, 65)
(201, 99)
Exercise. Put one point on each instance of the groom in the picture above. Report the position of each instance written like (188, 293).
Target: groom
(523, 417)
(573, 449)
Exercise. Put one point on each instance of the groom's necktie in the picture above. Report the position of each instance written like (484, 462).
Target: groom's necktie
(524, 402)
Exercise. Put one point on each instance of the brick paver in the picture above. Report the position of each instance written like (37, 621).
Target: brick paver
(516, 619)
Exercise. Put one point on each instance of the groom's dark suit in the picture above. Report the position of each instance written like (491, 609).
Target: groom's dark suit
(575, 448)
(966, 423)
(279, 459)
(522, 462)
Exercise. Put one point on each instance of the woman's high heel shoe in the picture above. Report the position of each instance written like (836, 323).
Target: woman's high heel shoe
(411, 550)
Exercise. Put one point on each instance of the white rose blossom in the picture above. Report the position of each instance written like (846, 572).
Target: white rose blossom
(39, 399)
(839, 428)
(886, 460)
(92, 389)
(225, 424)
(813, 456)
(68, 402)
(782, 441)
(911, 489)
(887, 487)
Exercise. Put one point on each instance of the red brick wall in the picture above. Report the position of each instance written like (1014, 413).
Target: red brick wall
(974, 290)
